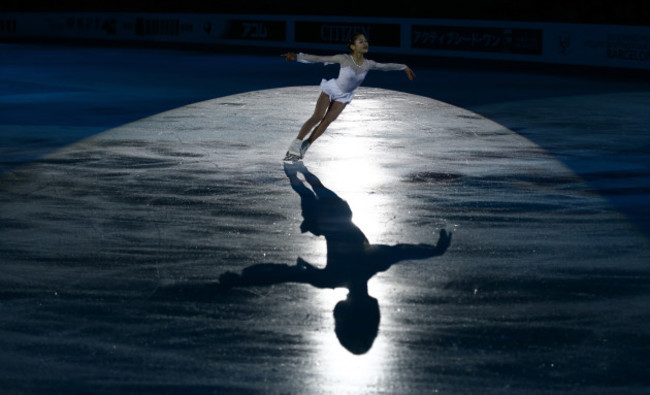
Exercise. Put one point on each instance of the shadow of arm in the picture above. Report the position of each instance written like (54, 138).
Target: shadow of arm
(386, 255)
(271, 273)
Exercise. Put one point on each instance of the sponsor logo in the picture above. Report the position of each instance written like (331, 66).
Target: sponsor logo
(478, 39)
(381, 34)
(157, 27)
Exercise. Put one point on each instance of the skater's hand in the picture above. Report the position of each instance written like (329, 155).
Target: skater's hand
(409, 73)
(290, 56)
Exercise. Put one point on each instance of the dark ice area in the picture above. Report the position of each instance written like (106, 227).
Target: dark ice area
(133, 180)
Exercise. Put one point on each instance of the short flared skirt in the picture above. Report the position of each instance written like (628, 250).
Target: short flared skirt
(331, 88)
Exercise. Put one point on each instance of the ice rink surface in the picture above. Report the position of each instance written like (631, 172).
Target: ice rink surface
(134, 178)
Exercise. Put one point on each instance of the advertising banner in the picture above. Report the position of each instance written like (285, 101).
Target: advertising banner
(329, 32)
(478, 39)
(556, 43)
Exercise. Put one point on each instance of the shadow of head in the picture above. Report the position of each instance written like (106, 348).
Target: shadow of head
(357, 323)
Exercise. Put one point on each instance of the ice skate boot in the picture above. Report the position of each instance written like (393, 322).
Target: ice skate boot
(293, 153)
(303, 148)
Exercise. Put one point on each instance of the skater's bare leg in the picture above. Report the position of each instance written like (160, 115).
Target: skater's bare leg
(332, 113)
(325, 113)
(322, 104)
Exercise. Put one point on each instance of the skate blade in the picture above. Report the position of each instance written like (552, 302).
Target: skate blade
(291, 158)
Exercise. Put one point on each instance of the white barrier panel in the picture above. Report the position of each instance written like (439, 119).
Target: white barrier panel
(575, 44)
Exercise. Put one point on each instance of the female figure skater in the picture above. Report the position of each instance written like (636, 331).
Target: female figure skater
(337, 92)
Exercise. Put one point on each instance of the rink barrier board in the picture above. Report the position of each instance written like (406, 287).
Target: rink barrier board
(616, 46)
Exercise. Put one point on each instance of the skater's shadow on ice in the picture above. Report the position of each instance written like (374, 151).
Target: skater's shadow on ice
(351, 260)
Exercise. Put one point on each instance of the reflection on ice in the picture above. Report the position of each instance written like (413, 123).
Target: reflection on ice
(356, 175)
(351, 260)
(340, 371)
(170, 202)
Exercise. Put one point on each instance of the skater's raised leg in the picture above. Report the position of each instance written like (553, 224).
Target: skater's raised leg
(334, 110)
(322, 105)
(296, 150)
(324, 114)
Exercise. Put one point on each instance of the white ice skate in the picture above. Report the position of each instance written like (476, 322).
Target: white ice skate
(304, 147)
(296, 150)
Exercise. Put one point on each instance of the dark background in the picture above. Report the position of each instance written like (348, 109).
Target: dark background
(625, 12)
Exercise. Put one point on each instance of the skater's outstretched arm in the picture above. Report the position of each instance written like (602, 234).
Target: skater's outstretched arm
(393, 66)
(385, 256)
(307, 58)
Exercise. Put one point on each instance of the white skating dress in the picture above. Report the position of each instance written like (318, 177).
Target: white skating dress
(351, 75)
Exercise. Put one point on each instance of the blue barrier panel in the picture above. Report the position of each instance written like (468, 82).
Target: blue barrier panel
(616, 46)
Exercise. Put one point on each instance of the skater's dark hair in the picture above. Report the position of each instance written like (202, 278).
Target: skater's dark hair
(353, 37)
